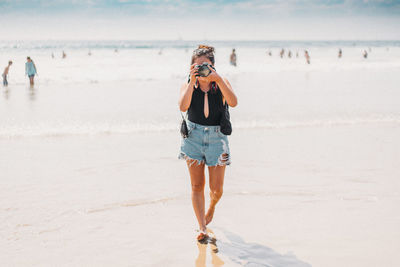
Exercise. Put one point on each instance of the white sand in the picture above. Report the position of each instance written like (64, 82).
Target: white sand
(291, 199)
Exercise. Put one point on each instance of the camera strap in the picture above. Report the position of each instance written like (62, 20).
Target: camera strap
(183, 117)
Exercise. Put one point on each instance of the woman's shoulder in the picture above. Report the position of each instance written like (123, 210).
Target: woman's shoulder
(226, 80)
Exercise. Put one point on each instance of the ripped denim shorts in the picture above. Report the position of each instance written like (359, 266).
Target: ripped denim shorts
(205, 144)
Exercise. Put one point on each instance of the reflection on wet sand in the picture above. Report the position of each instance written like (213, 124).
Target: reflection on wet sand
(6, 93)
(32, 93)
(202, 246)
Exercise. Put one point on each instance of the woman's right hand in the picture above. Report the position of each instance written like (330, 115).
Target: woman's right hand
(193, 73)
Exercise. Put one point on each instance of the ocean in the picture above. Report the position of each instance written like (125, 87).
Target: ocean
(135, 88)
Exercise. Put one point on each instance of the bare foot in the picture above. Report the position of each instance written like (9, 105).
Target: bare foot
(210, 214)
(202, 237)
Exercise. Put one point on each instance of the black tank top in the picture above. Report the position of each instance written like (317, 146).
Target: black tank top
(215, 106)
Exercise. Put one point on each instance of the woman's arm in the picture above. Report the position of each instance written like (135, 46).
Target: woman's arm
(34, 67)
(186, 95)
(187, 90)
(226, 90)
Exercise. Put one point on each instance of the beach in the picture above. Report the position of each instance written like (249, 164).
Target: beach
(90, 174)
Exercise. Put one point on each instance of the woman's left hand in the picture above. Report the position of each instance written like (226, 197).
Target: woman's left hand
(224, 86)
(213, 76)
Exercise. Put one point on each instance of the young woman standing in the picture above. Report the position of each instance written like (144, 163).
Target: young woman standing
(30, 70)
(203, 98)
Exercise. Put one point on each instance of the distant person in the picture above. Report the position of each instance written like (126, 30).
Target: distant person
(365, 54)
(5, 73)
(290, 54)
(340, 53)
(233, 57)
(297, 53)
(64, 55)
(282, 53)
(270, 53)
(30, 70)
(307, 56)
(89, 53)
(116, 50)
(52, 55)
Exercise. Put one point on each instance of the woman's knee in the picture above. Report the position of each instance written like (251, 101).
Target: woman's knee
(217, 193)
(198, 187)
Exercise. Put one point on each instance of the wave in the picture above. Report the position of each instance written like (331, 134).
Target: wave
(150, 44)
(85, 129)
(132, 203)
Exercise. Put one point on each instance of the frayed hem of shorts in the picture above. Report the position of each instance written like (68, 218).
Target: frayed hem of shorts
(186, 157)
(222, 160)
(220, 164)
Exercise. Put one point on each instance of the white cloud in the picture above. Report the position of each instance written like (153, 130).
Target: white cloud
(163, 19)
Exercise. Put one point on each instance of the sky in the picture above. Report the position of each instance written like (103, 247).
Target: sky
(199, 20)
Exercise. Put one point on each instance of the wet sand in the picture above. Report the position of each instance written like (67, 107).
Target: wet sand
(291, 199)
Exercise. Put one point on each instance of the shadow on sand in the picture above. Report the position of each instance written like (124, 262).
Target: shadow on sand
(243, 254)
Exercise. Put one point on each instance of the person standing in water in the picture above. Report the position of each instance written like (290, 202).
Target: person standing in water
(204, 98)
(233, 57)
(365, 54)
(307, 56)
(30, 70)
(64, 55)
(5, 73)
(340, 53)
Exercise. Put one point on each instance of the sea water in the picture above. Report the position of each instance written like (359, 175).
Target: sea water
(129, 86)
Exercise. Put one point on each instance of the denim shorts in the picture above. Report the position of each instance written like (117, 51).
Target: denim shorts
(205, 144)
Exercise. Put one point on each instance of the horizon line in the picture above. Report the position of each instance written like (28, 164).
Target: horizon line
(209, 40)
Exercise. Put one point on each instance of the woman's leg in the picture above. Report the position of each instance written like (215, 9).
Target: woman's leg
(197, 179)
(217, 174)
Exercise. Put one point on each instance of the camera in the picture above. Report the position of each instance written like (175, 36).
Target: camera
(203, 70)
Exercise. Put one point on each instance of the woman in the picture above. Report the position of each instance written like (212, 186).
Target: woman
(203, 98)
(30, 70)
